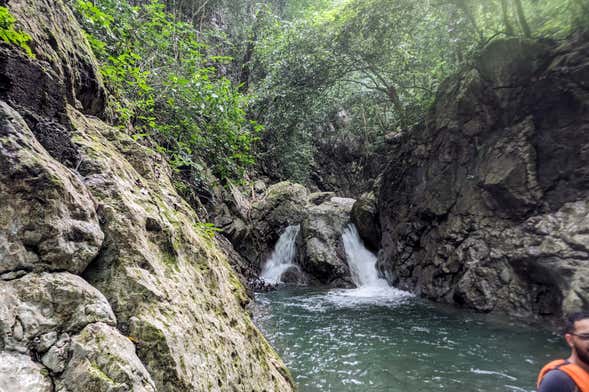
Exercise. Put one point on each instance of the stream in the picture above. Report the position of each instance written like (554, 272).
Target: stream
(377, 338)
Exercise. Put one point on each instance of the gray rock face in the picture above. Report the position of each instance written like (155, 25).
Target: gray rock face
(19, 373)
(47, 218)
(171, 289)
(59, 43)
(365, 218)
(103, 360)
(69, 326)
(36, 308)
(158, 307)
(323, 255)
(485, 205)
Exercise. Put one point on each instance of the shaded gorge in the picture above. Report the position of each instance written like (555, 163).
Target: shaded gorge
(372, 339)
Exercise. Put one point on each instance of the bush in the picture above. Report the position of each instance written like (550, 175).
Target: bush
(165, 85)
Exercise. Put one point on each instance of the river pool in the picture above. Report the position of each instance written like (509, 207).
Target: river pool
(382, 339)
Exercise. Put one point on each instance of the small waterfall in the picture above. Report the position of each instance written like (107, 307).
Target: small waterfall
(283, 255)
(361, 261)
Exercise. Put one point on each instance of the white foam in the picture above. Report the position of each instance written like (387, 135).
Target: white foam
(282, 257)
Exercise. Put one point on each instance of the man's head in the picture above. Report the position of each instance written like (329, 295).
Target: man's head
(576, 334)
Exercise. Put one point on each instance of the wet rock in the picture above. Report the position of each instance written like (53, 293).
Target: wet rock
(484, 205)
(365, 218)
(294, 276)
(322, 254)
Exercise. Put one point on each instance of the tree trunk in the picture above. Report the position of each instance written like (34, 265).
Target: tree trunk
(470, 16)
(394, 98)
(522, 19)
(506, 22)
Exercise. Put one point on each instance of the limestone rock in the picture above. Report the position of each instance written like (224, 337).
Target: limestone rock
(36, 307)
(19, 373)
(485, 204)
(103, 360)
(47, 218)
(172, 290)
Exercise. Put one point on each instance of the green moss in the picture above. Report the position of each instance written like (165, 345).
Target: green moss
(12, 36)
(98, 373)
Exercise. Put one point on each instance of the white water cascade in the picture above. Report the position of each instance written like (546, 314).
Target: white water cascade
(282, 257)
(361, 261)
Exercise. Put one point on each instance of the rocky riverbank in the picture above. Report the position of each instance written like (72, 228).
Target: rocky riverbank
(108, 280)
(485, 205)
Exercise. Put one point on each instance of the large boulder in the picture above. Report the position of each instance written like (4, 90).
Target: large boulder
(48, 316)
(322, 254)
(18, 372)
(485, 205)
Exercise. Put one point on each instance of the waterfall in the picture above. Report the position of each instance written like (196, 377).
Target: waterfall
(282, 257)
(361, 261)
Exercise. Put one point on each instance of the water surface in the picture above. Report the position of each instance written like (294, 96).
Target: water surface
(381, 339)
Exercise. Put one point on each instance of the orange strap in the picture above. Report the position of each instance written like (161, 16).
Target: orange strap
(576, 373)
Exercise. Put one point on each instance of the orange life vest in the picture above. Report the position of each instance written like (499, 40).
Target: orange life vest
(576, 373)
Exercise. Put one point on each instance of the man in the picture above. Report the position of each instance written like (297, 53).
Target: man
(572, 374)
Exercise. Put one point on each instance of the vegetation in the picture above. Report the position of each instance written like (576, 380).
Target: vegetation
(12, 36)
(380, 62)
(166, 84)
(199, 76)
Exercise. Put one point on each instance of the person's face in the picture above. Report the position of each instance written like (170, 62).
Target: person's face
(579, 340)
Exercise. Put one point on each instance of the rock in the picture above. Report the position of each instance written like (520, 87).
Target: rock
(260, 186)
(47, 218)
(365, 218)
(294, 276)
(101, 359)
(55, 359)
(320, 197)
(485, 204)
(19, 373)
(59, 42)
(282, 206)
(322, 254)
(81, 197)
(36, 307)
(172, 290)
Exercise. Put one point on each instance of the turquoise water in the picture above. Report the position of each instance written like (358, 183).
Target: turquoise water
(353, 340)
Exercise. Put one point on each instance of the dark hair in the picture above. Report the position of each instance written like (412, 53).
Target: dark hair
(572, 319)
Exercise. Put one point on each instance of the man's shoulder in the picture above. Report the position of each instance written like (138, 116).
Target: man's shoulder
(557, 381)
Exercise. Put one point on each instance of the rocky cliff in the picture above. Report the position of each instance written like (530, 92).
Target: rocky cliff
(107, 280)
(486, 204)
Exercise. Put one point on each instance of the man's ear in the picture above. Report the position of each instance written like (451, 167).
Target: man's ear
(569, 338)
